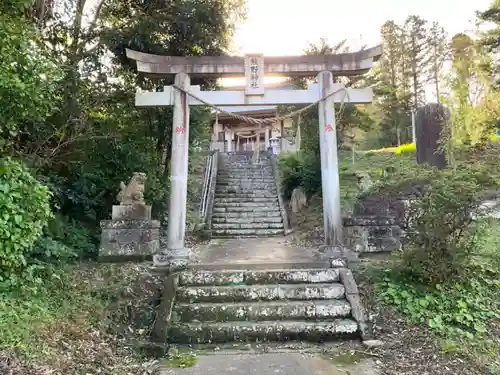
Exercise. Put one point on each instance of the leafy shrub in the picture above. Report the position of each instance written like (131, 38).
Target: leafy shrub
(24, 211)
(441, 236)
(64, 240)
(452, 309)
(300, 170)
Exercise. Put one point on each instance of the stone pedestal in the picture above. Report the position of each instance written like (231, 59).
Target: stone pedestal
(130, 234)
(173, 259)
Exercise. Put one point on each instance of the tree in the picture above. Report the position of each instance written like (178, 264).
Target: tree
(438, 54)
(391, 89)
(490, 39)
(78, 127)
(473, 102)
(416, 40)
(348, 120)
(28, 76)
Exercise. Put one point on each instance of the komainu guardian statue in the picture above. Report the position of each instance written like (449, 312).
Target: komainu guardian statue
(132, 193)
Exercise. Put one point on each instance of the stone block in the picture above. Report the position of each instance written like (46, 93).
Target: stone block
(372, 234)
(127, 239)
(135, 211)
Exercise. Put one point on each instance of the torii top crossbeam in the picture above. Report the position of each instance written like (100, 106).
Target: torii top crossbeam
(344, 64)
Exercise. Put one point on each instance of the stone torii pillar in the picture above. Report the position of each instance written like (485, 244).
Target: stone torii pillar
(253, 67)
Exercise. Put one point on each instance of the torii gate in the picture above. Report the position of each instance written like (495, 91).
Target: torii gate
(253, 67)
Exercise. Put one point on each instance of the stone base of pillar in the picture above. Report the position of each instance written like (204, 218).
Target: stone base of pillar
(130, 234)
(172, 260)
(338, 256)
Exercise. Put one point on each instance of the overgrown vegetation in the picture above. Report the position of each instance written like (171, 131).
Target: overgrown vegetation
(69, 133)
(76, 322)
(447, 276)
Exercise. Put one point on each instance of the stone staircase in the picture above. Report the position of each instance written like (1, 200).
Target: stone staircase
(224, 306)
(246, 199)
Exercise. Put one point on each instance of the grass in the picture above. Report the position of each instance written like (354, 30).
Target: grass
(180, 359)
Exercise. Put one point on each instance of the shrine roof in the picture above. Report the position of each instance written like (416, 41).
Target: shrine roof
(251, 111)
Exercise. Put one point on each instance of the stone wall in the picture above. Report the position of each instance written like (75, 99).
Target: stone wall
(372, 234)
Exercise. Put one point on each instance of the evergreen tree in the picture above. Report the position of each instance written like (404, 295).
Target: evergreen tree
(437, 55)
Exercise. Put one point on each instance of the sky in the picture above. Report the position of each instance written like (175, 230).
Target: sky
(284, 27)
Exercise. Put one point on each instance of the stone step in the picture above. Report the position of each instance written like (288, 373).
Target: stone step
(240, 208)
(245, 177)
(244, 170)
(255, 194)
(198, 333)
(232, 178)
(246, 233)
(247, 186)
(249, 293)
(235, 226)
(200, 277)
(229, 172)
(246, 181)
(218, 203)
(252, 214)
(262, 311)
(248, 200)
(246, 220)
(227, 189)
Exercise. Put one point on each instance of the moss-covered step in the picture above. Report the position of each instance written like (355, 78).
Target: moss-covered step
(262, 311)
(246, 232)
(240, 293)
(246, 220)
(205, 333)
(251, 277)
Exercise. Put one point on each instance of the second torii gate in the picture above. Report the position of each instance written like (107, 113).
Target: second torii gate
(253, 67)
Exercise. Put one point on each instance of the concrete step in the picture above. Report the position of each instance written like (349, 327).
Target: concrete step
(201, 277)
(245, 199)
(249, 293)
(246, 214)
(262, 311)
(239, 208)
(198, 333)
(246, 220)
(236, 226)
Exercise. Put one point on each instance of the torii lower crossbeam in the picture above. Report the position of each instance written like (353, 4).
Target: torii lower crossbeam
(270, 97)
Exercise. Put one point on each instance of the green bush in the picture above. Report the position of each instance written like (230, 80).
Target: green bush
(441, 235)
(64, 240)
(300, 170)
(24, 212)
(452, 309)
